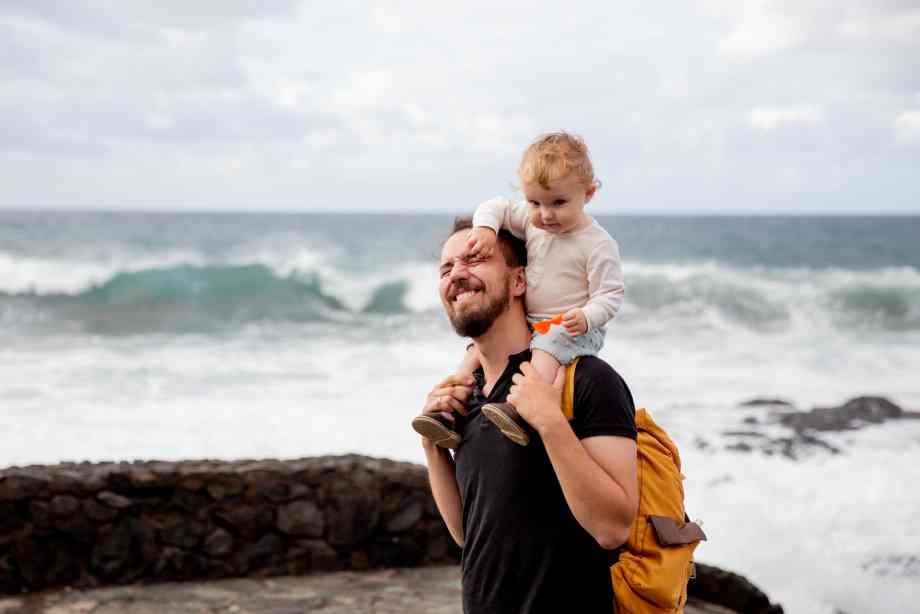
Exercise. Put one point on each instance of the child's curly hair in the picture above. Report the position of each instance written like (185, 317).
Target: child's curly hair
(554, 156)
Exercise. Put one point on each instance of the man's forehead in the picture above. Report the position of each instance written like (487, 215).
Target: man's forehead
(454, 246)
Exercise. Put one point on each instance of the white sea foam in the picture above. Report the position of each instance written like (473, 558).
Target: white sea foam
(807, 532)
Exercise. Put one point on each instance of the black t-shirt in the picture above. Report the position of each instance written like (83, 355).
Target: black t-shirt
(523, 551)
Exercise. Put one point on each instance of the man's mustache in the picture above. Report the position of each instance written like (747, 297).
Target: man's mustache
(461, 285)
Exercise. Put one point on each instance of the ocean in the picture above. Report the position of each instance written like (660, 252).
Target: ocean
(175, 336)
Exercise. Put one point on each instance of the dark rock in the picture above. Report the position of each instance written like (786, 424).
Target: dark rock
(97, 511)
(851, 415)
(43, 563)
(701, 444)
(729, 590)
(312, 555)
(178, 564)
(249, 520)
(219, 542)
(353, 510)
(9, 518)
(17, 485)
(78, 527)
(301, 491)
(224, 486)
(112, 551)
(760, 402)
(405, 518)
(394, 551)
(301, 518)
(739, 447)
(63, 506)
(266, 486)
(178, 530)
(72, 482)
(751, 420)
(190, 501)
(264, 554)
(114, 500)
(10, 581)
(752, 434)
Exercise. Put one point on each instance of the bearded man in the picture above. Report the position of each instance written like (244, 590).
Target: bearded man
(538, 524)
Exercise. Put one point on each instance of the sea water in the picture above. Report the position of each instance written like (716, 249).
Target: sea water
(174, 336)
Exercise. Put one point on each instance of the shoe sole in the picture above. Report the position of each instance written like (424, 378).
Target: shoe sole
(435, 431)
(509, 428)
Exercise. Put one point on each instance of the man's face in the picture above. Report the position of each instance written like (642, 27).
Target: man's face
(474, 291)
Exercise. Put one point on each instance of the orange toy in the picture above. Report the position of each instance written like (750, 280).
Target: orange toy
(542, 326)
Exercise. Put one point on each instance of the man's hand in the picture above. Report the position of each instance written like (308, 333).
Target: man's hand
(481, 241)
(538, 403)
(575, 322)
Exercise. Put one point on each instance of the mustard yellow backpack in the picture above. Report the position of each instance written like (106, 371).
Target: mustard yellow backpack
(656, 561)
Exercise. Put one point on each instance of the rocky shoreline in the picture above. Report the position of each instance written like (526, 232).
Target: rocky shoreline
(334, 534)
(775, 427)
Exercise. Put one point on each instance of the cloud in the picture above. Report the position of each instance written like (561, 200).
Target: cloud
(428, 106)
(769, 119)
(907, 126)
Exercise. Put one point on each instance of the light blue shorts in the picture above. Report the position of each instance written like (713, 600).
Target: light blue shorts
(564, 347)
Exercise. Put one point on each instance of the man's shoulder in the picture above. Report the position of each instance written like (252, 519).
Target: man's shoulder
(596, 369)
(603, 403)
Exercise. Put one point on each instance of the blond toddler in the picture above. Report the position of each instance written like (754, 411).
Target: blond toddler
(573, 268)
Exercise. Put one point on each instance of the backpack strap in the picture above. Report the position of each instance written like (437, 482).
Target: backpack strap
(568, 391)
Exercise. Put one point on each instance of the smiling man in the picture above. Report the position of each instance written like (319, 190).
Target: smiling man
(537, 523)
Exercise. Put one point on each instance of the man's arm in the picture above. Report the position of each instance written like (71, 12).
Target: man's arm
(449, 395)
(443, 479)
(597, 474)
(598, 478)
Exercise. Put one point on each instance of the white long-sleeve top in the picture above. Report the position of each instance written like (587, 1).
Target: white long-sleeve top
(565, 270)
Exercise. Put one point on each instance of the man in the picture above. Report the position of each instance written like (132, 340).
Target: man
(537, 522)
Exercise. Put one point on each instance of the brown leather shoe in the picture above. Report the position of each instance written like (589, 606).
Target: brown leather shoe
(438, 429)
(508, 421)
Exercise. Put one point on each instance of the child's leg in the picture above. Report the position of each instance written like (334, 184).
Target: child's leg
(545, 364)
(440, 428)
(470, 362)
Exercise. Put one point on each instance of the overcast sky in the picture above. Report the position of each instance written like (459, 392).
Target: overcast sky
(687, 106)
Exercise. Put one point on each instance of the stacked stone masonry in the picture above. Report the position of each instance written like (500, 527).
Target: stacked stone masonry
(87, 525)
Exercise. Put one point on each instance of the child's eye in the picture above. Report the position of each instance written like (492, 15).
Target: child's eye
(534, 203)
(558, 203)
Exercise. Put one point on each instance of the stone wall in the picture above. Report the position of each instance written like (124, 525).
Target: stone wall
(112, 523)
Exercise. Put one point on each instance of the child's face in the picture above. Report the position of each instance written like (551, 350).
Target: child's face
(560, 208)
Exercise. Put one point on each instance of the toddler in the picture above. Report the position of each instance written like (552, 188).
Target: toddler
(573, 269)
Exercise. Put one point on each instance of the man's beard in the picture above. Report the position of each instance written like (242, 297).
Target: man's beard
(475, 323)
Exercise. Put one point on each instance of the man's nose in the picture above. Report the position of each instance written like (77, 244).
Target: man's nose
(460, 270)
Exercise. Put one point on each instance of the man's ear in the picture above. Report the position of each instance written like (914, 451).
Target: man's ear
(518, 282)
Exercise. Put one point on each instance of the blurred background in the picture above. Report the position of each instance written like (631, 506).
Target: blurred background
(220, 222)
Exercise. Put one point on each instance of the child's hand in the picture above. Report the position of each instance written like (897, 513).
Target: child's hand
(575, 322)
(481, 241)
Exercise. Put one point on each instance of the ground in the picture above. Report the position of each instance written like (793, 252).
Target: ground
(426, 590)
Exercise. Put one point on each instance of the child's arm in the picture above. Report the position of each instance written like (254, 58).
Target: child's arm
(498, 213)
(605, 285)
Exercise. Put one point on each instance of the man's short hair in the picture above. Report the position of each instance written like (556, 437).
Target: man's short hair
(514, 249)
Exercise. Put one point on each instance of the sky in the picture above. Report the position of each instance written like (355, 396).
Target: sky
(699, 106)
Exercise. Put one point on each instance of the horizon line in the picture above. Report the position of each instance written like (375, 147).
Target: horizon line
(429, 212)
